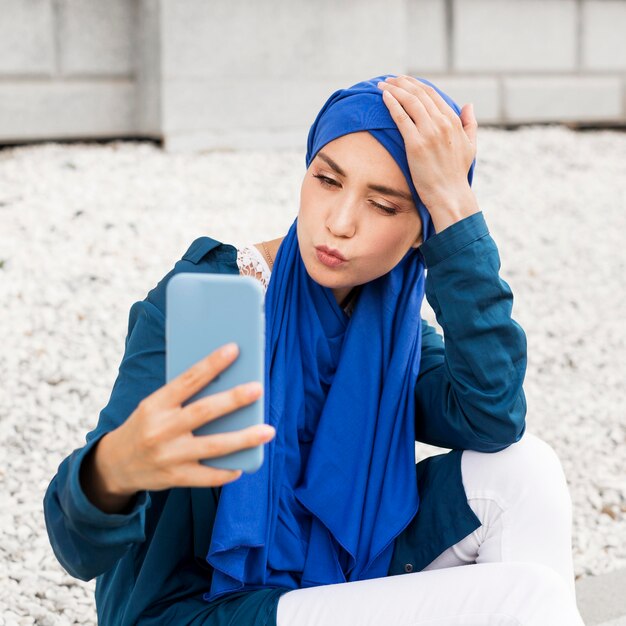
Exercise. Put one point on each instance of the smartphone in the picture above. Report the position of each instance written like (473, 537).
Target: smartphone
(204, 312)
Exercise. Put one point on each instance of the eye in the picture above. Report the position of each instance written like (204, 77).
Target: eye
(325, 181)
(329, 182)
(388, 210)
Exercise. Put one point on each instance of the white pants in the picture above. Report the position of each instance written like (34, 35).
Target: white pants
(520, 568)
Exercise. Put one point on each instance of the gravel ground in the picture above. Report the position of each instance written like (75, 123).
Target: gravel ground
(88, 229)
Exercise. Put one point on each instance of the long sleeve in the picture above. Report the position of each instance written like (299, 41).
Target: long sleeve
(469, 392)
(87, 541)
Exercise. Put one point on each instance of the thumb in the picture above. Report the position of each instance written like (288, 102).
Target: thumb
(470, 125)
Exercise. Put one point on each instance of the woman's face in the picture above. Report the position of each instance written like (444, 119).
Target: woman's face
(341, 209)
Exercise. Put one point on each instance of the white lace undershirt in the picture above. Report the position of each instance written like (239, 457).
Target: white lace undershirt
(252, 263)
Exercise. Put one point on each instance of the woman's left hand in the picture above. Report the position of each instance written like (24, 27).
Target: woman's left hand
(440, 147)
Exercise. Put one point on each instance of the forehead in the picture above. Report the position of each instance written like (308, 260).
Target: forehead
(361, 155)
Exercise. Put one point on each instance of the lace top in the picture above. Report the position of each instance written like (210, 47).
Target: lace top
(252, 263)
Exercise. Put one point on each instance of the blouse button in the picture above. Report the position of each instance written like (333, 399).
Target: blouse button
(408, 567)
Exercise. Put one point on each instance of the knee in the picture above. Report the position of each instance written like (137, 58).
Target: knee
(538, 461)
(545, 472)
(530, 466)
(535, 452)
(531, 453)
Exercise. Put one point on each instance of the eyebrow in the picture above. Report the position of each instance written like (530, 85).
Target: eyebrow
(380, 188)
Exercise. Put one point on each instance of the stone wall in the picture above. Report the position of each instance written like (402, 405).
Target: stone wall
(204, 74)
(67, 69)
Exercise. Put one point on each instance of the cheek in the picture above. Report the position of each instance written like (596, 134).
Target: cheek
(312, 206)
(390, 246)
(307, 196)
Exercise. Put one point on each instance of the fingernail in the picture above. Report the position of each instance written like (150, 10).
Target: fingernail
(229, 349)
(253, 389)
(267, 432)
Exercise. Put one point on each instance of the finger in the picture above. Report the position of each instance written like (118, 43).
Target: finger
(411, 87)
(434, 96)
(406, 110)
(215, 405)
(219, 444)
(470, 125)
(192, 380)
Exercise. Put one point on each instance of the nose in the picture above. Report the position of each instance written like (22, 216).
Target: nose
(341, 220)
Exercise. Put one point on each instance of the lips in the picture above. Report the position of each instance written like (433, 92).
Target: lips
(332, 252)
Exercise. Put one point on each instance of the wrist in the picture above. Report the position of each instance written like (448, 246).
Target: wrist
(110, 468)
(445, 211)
(95, 481)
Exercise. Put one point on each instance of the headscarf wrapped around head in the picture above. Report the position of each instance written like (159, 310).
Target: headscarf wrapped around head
(359, 108)
(338, 481)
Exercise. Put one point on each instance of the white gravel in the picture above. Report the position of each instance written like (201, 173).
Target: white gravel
(88, 229)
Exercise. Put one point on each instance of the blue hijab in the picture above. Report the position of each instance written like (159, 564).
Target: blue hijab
(338, 482)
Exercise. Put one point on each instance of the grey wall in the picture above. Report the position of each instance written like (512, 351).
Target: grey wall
(243, 74)
(67, 69)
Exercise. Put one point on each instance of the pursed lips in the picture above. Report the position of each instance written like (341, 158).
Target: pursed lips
(332, 252)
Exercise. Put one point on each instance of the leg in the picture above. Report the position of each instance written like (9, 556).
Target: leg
(520, 563)
(493, 594)
(521, 496)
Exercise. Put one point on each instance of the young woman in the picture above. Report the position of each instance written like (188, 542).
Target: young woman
(339, 526)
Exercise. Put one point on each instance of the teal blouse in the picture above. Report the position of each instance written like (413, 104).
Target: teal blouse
(149, 562)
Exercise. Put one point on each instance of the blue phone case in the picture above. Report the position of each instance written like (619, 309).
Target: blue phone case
(204, 312)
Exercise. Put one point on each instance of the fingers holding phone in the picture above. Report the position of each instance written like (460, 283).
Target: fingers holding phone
(155, 448)
(201, 428)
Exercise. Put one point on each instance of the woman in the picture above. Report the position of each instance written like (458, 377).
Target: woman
(339, 525)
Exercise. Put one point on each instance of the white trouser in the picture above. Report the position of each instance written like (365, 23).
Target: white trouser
(520, 560)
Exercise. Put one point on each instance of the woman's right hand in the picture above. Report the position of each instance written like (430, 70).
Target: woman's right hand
(155, 447)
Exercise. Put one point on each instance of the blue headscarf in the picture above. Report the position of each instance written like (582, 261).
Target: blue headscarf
(338, 482)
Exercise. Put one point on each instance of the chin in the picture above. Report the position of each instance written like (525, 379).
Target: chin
(317, 273)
